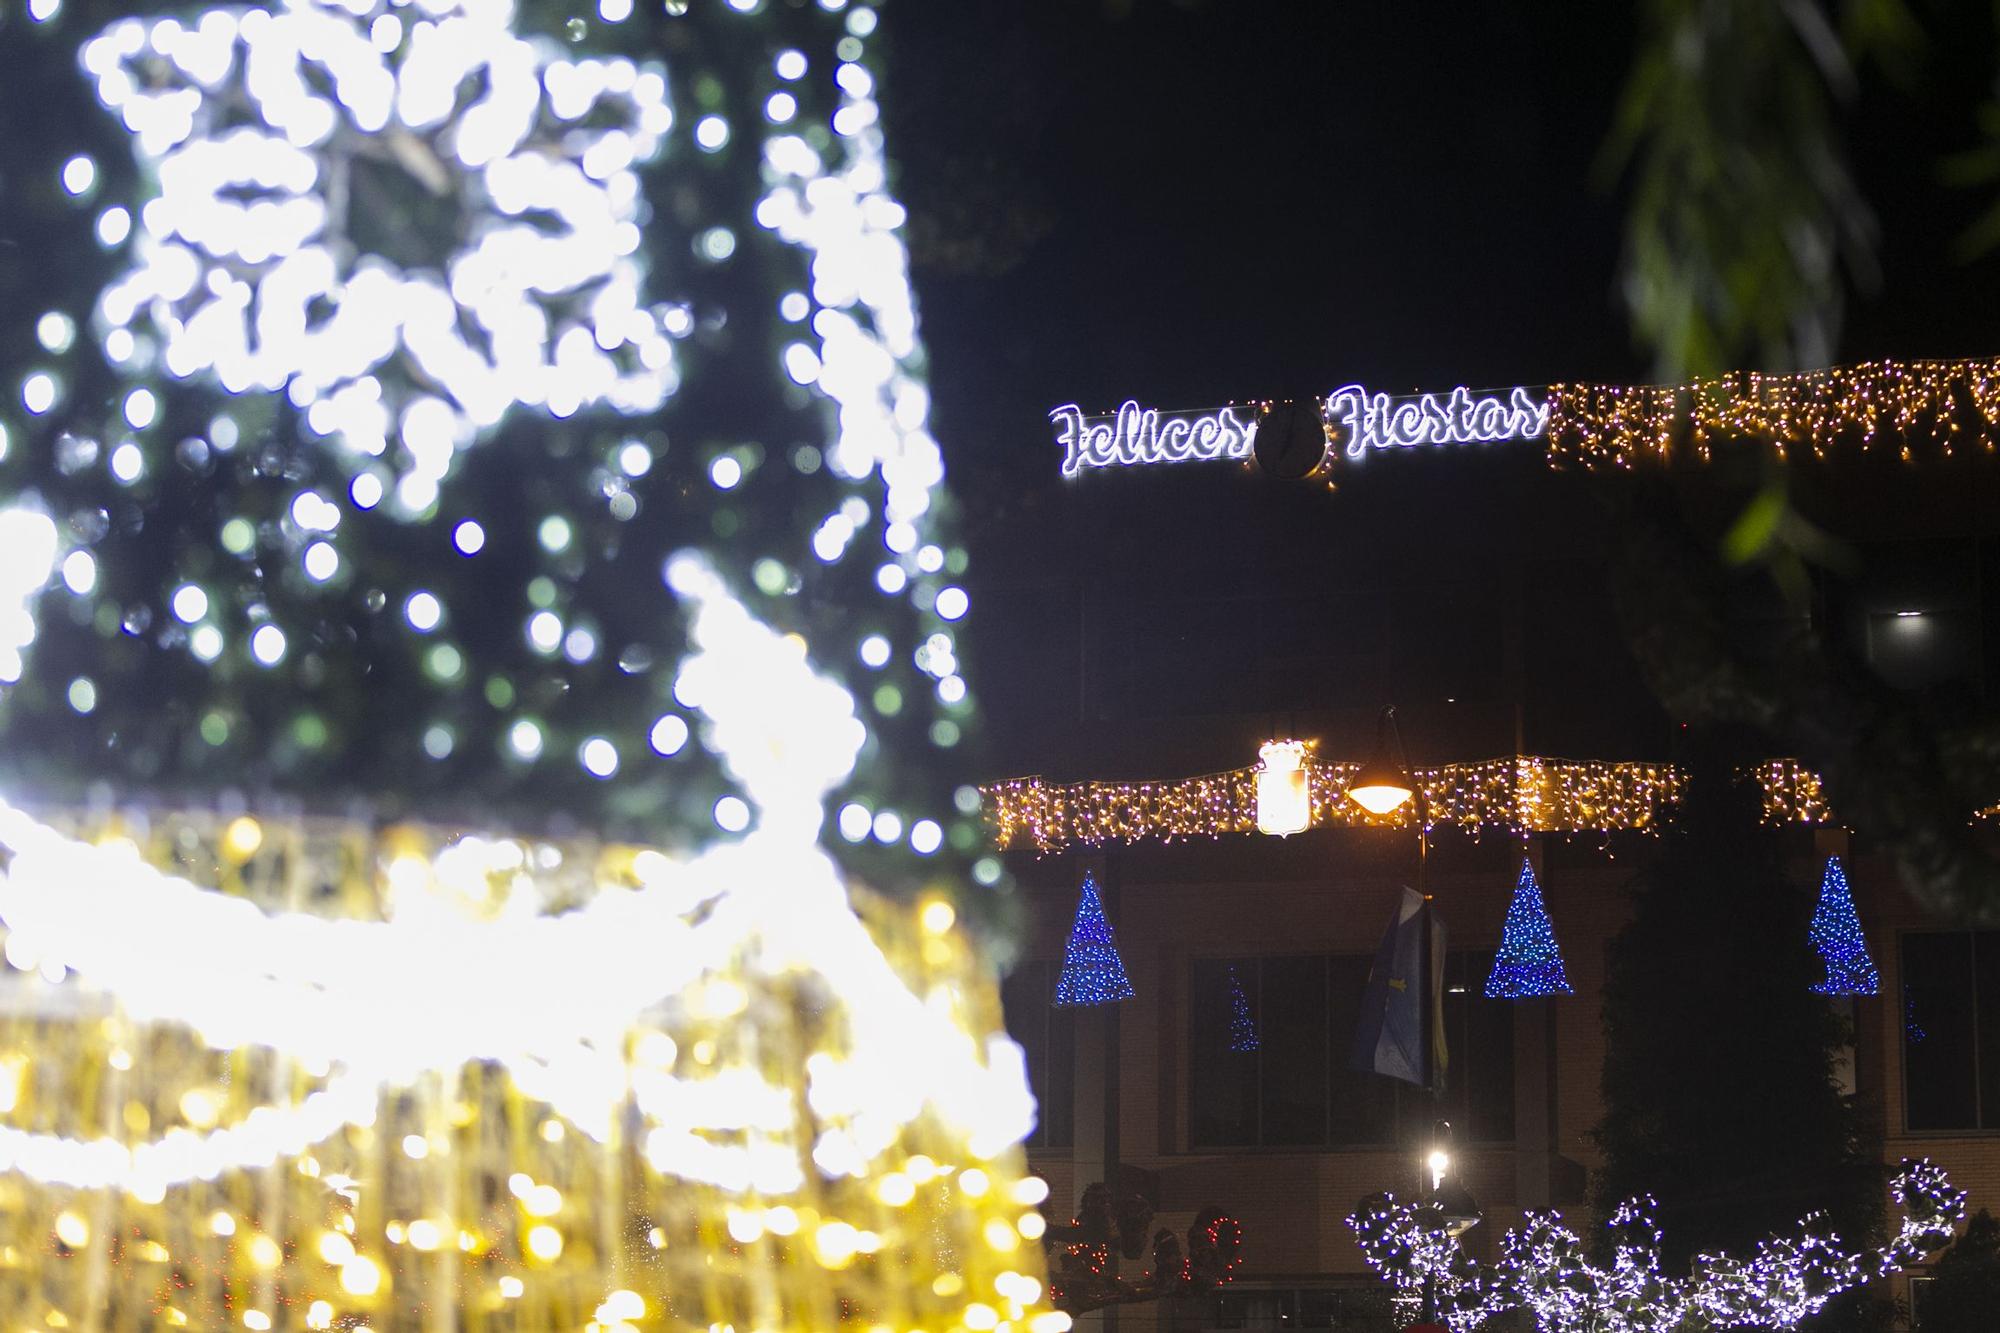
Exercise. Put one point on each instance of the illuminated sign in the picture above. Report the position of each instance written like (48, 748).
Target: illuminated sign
(1147, 435)
(1377, 421)
(1358, 422)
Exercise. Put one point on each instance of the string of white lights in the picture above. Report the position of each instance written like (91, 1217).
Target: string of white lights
(242, 265)
(1545, 1269)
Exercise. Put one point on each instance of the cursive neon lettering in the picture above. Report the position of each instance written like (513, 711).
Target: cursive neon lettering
(1137, 435)
(1376, 421)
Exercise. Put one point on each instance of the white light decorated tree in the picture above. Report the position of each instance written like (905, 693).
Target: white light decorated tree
(1546, 1271)
(432, 416)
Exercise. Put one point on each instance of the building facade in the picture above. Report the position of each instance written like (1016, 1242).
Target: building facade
(1477, 602)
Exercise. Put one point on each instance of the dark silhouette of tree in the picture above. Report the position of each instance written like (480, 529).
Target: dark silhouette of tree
(1964, 1291)
(1718, 1088)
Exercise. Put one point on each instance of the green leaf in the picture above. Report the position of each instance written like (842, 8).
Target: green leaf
(1751, 535)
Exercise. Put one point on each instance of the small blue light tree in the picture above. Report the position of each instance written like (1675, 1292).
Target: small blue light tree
(1836, 933)
(1242, 1026)
(1529, 963)
(1092, 972)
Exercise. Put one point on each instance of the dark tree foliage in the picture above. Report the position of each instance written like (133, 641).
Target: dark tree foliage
(1901, 769)
(1964, 1292)
(1718, 1089)
(1746, 228)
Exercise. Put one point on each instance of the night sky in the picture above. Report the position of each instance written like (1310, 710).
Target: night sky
(1194, 204)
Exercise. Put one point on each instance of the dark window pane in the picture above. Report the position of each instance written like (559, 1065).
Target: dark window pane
(1364, 1103)
(1986, 972)
(1224, 1082)
(1058, 1118)
(1482, 1035)
(1047, 1036)
(1294, 1014)
(1939, 1031)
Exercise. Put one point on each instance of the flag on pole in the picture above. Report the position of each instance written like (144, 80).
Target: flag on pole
(1390, 1037)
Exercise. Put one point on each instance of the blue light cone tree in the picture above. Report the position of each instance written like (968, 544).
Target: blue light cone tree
(1092, 972)
(1836, 933)
(1242, 1025)
(1529, 964)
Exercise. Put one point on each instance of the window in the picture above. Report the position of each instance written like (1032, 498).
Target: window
(1951, 1030)
(1920, 1301)
(1297, 1089)
(1047, 1036)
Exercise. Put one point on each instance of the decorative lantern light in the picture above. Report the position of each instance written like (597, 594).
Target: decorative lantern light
(1284, 798)
(1383, 784)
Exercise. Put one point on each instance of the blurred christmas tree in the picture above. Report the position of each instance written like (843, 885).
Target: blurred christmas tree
(507, 417)
(372, 361)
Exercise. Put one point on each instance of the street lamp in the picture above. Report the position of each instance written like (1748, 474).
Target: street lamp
(1455, 1208)
(1448, 1194)
(1383, 785)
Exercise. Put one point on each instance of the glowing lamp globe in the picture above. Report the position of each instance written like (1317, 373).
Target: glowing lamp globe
(1284, 797)
(1380, 787)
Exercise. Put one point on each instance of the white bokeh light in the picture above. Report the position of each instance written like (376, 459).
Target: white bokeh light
(732, 814)
(190, 603)
(423, 611)
(55, 331)
(39, 392)
(79, 174)
(141, 408)
(79, 571)
(321, 561)
(128, 462)
(599, 757)
(524, 738)
(668, 735)
(247, 118)
(267, 645)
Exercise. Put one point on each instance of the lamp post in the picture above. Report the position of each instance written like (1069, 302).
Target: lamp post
(1455, 1207)
(1383, 786)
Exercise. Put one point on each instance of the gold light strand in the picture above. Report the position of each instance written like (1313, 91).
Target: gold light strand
(466, 1202)
(1874, 405)
(1792, 793)
(1524, 794)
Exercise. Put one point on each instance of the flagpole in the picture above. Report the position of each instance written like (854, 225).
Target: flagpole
(1429, 983)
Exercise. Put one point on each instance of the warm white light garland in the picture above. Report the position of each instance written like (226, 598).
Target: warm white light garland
(338, 993)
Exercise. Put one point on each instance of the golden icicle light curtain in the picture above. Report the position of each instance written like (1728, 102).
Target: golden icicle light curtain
(798, 1130)
(1522, 793)
(1941, 407)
